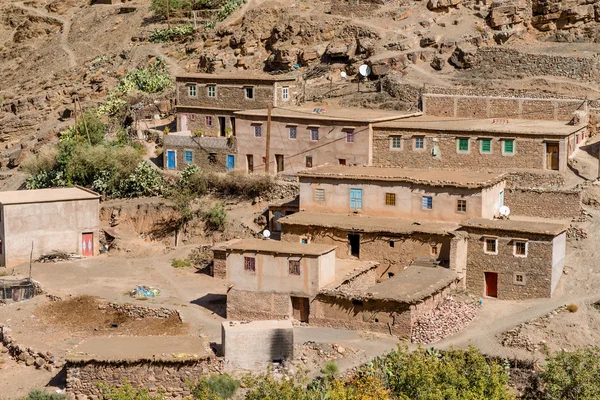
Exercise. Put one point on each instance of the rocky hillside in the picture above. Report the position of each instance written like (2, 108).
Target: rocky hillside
(51, 50)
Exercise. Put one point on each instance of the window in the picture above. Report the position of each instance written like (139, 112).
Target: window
(350, 137)
(490, 246)
(396, 142)
(309, 162)
(249, 91)
(294, 267)
(463, 145)
(212, 158)
(486, 145)
(355, 199)
(293, 132)
(427, 202)
(188, 156)
(509, 146)
(314, 134)
(390, 199)
(519, 278)
(319, 194)
(285, 93)
(341, 161)
(461, 206)
(419, 142)
(304, 240)
(208, 121)
(250, 264)
(264, 160)
(193, 117)
(520, 249)
(392, 243)
(434, 250)
(192, 90)
(257, 131)
(211, 91)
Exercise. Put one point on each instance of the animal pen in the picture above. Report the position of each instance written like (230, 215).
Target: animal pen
(17, 290)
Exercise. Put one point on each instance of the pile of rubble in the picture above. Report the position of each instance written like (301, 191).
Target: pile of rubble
(27, 355)
(139, 312)
(516, 338)
(576, 233)
(448, 318)
(58, 256)
(583, 216)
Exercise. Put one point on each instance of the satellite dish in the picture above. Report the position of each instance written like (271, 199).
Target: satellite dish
(364, 70)
(504, 211)
(343, 74)
(267, 233)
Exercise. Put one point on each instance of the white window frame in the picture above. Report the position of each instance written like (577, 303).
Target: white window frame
(246, 92)
(399, 139)
(515, 248)
(516, 282)
(285, 93)
(485, 250)
(213, 91)
(423, 143)
(195, 88)
(320, 195)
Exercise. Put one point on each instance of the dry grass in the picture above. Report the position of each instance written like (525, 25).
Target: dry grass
(573, 308)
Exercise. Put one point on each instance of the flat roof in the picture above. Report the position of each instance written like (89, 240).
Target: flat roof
(47, 195)
(363, 115)
(278, 247)
(478, 125)
(365, 223)
(236, 77)
(410, 286)
(538, 226)
(430, 177)
(346, 270)
(140, 348)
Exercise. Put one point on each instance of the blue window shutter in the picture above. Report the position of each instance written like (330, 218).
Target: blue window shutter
(356, 199)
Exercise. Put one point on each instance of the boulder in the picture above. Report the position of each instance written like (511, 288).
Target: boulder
(464, 56)
(39, 362)
(438, 62)
(503, 15)
(441, 5)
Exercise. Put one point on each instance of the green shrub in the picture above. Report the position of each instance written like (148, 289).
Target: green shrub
(215, 217)
(230, 185)
(126, 392)
(221, 386)
(228, 8)
(38, 394)
(165, 35)
(330, 370)
(176, 7)
(179, 263)
(153, 79)
(572, 375)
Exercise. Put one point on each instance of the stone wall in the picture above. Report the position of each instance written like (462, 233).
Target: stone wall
(536, 267)
(219, 268)
(356, 8)
(555, 204)
(245, 305)
(31, 357)
(170, 378)
(538, 179)
(135, 311)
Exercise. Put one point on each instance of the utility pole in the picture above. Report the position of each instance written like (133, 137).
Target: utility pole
(168, 15)
(83, 117)
(268, 145)
(75, 107)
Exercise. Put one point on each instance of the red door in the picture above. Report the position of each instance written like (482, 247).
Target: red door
(491, 284)
(87, 244)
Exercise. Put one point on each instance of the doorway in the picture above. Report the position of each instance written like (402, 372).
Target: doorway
(354, 244)
(279, 161)
(552, 157)
(183, 123)
(232, 120)
(222, 127)
(491, 284)
(87, 244)
(171, 163)
(250, 160)
(300, 308)
(230, 162)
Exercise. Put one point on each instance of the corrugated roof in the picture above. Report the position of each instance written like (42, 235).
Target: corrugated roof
(47, 195)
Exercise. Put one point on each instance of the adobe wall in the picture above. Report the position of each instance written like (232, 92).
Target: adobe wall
(537, 266)
(554, 204)
(375, 247)
(429, 304)
(468, 106)
(200, 156)
(529, 152)
(245, 305)
(219, 269)
(195, 121)
(169, 378)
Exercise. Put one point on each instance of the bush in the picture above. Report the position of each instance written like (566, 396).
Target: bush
(573, 308)
(44, 161)
(330, 369)
(153, 79)
(171, 34)
(572, 375)
(126, 392)
(215, 217)
(222, 386)
(230, 185)
(38, 394)
(179, 263)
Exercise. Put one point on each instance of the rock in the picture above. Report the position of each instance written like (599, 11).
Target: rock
(22, 356)
(442, 4)
(48, 367)
(39, 362)
(464, 56)
(428, 41)
(438, 62)
(502, 16)
(29, 361)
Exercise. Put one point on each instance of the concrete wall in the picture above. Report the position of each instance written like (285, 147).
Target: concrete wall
(170, 379)
(559, 245)
(529, 151)
(257, 344)
(272, 273)
(544, 203)
(375, 246)
(408, 199)
(50, 226)
(330, 148)
(537, 266)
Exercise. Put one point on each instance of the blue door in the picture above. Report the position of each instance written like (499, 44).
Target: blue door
(230, 162)
(171, 159)
(356, 199)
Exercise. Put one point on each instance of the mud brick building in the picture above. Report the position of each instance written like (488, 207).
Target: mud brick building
(514, 260)
(473, 144)
(64, 219)
(304, 137)
(215, 154)
(206, 103)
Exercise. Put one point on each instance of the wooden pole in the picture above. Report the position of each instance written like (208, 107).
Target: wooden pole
(168, 15)
(30, 260)
(84, 123)
(268, 145)
(75, 107)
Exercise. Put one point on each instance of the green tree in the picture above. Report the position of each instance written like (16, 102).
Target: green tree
(573, 375)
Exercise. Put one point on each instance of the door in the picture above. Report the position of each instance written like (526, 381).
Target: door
(230, 162)
(250, 161)
(356, 199)
(87, 244)
(232, 125)
(491, 284)
(552, 156)
(354, 243)
(171, 163)
(183, 124)
(279, 161)
(222, 126)
(300, 307)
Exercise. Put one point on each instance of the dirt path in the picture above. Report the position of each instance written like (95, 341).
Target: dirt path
(64, 36)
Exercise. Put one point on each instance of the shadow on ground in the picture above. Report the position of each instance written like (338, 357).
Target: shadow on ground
(215, 303)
